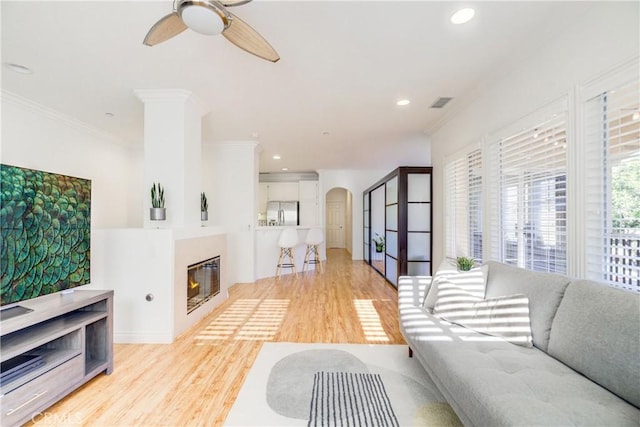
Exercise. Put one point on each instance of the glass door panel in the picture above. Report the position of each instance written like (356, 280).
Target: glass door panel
(418, 187)
(392, 243)
(366, 230)
(419, 268)
(392, 270)
(419, 216)
(377, 226)
(392, 191)
(419, 246)
(392, 217)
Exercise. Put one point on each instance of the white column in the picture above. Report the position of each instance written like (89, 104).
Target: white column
(172, 154)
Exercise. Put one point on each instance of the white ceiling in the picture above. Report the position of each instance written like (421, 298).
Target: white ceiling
(343, 66)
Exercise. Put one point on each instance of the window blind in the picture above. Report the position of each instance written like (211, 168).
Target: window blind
(463, 202)
(528, 170)
(612, 136)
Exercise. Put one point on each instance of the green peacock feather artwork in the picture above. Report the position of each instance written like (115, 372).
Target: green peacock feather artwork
(45, 223)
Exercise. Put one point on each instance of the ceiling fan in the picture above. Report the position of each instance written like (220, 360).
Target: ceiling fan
(211, 17)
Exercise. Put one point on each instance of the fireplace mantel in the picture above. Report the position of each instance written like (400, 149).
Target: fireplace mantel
(147, 269)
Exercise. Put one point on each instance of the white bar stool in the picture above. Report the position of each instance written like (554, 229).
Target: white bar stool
(313, 240)
(287, 241)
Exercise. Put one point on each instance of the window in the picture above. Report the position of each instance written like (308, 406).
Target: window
(612, 134)
(464, 206)
(529, 194)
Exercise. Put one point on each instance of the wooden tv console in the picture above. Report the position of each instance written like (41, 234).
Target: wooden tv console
(74, 334)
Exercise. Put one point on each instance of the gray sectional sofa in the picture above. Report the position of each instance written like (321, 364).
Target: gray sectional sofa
(583, 367)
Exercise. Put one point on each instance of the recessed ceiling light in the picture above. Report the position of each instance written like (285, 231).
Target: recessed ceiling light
(19, 68)
(285, 169)
(403, 102)
(463, 16)
(276, 157)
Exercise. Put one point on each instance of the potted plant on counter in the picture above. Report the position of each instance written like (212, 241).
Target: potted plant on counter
(157, 212)
(204, 207)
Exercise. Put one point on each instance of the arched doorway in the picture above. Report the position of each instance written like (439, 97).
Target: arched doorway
(338, 219)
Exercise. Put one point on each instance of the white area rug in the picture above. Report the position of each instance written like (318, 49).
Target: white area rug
(279, 387)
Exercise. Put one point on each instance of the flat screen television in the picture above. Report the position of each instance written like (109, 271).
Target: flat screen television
(45, 222)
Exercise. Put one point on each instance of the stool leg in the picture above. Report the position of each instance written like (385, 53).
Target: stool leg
(280, 261)
(318, 259)
(291, 261)
(306, 258)
(284, 253)
(312, 256)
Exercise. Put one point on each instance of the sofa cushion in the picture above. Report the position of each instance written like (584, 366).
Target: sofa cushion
(473, 281)
(506, 317)
(596, 331)
(544, 291)
(490, 382)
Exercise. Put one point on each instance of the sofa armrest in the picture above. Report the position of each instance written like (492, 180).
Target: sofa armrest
(412, 290)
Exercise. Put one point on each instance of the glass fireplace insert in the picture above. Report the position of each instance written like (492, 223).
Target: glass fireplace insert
(203, 282)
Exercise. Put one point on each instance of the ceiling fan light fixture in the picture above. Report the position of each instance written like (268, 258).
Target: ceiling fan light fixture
(463, 16)
(203, 17)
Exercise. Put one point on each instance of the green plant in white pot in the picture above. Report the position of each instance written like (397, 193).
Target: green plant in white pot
(157, 212)
(204, 207)
(378, 240)
(464, 263)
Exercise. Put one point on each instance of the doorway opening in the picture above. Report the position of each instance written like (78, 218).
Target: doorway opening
(339, 224)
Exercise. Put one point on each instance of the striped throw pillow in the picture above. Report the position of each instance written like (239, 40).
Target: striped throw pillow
(473, 281)
(505, 316)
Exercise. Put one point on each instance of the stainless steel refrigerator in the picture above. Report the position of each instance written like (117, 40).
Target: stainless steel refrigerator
(283, 213)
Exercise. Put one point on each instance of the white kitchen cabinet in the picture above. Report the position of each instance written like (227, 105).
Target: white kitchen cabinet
(308, 190)
(309, 203)
(281, 191)
(263, 193)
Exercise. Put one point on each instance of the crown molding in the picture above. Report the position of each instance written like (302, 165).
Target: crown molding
(171, 95)
(49, 113)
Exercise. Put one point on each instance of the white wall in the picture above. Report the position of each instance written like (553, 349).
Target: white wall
(356, 181)
(39, 138)
(230, 179)
(603, 39)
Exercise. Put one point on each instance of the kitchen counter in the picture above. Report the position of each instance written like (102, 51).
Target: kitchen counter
(281, 227)
(268, 251)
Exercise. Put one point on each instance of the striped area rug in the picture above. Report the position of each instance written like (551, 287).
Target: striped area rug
(298, 384)
(350, 399)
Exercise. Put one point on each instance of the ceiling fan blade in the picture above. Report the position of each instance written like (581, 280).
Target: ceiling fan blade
(230, 3)
(169, 26)
(245, 37)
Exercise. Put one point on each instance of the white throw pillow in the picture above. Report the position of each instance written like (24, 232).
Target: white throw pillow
(473, 281)
(505, 316)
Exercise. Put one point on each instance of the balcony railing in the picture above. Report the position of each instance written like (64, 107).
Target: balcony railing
(623, 253)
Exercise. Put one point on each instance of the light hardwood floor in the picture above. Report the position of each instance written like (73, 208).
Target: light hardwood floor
(195, 380)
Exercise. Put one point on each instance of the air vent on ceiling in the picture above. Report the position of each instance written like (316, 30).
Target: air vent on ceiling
(441, 102)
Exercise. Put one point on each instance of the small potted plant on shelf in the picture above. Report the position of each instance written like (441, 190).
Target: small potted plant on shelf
(204, 207)
(378, 240)
(157, 212)
(464, 263)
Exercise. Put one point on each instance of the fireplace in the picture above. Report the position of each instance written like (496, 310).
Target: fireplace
(203, 282)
